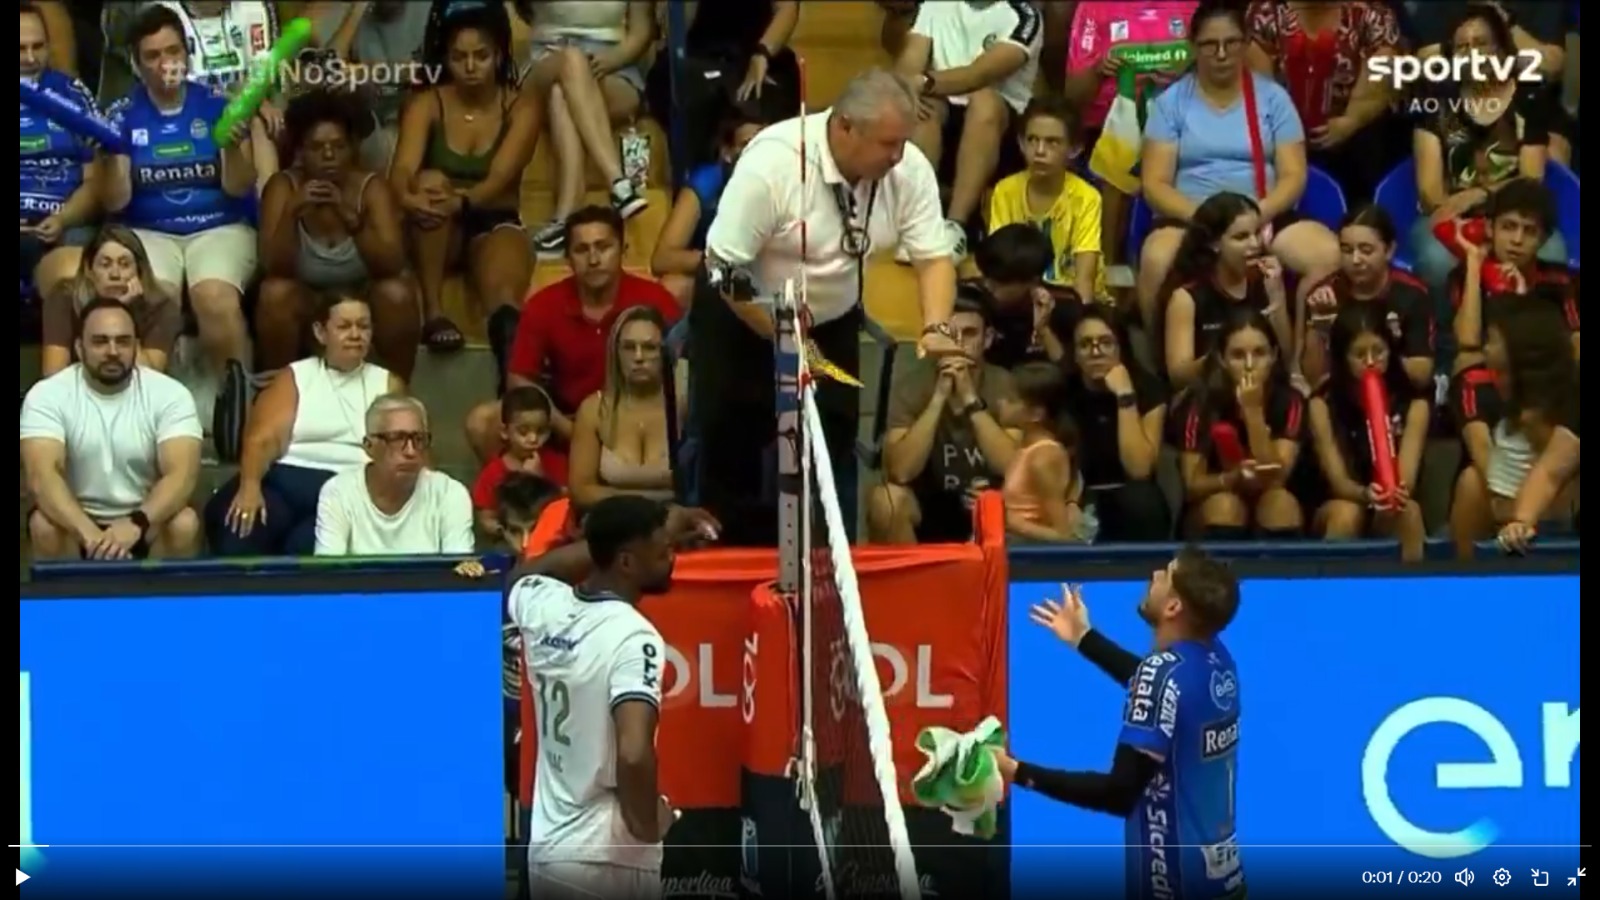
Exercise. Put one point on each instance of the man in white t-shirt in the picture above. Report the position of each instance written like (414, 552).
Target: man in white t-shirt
(974, 64)
(111, 450)
(595, 664)
(395, 504)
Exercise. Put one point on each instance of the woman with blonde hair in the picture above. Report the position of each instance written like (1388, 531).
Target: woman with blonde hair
(620, 441)
(114, 266)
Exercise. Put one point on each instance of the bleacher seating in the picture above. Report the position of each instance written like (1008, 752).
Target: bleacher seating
(1397, 196)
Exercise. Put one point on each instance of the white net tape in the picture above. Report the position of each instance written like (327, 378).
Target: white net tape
(870, 692)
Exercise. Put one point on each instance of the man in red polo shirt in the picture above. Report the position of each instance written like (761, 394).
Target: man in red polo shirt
(561, 337)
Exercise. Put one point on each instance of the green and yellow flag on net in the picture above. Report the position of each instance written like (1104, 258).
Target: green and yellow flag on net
(1145, 70)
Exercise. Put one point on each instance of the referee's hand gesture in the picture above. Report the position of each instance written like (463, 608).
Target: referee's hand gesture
(1068, 618)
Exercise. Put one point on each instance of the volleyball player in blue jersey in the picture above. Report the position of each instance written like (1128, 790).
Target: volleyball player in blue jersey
(1174, 774)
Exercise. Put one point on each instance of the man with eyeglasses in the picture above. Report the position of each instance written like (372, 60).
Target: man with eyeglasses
(395, 504)
(858, 188)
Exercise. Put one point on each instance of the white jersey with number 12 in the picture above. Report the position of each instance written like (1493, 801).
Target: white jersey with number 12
(585, 654)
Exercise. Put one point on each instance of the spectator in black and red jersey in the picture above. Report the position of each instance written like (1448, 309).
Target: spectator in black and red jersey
(561, 337)
(1367, 275)
(1221, 265)
(1356, 504)
(1512, 410)
(1237, 429)
(1507, 270)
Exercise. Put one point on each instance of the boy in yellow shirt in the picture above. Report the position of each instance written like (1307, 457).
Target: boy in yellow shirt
(1048, 196)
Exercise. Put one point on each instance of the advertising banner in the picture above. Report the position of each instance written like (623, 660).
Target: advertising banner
(1396, 734)
(286, 745)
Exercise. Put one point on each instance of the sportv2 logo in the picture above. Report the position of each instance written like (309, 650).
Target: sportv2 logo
(1559, 735)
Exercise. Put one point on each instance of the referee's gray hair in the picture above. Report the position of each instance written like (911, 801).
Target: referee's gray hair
(392, 403)
(869, 95)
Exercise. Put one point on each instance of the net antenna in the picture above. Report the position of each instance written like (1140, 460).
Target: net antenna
(805, 483)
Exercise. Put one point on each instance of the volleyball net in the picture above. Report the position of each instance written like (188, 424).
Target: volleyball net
(845, 773)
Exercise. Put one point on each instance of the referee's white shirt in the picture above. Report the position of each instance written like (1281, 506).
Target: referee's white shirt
(758, 218)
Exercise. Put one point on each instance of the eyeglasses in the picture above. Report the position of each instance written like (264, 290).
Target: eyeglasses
(419, 440)
(1223, 47)
(1099, 345)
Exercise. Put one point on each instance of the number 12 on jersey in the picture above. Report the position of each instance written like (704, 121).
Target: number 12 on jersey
(555, 706)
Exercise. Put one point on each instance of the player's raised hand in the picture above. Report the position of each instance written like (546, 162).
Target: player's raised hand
(1067, 618)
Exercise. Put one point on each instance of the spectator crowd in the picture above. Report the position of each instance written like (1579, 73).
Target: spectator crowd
(1210, 269)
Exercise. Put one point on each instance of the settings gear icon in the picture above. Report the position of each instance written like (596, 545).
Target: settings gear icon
(1502, 877)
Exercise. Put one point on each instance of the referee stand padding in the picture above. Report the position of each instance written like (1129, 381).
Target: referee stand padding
(936, 615)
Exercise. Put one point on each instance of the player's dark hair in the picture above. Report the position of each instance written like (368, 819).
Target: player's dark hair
(1208, 588)
(1544, 376)
(594, 214)
(1043, 386)
(1051, 106)
(449, 18)
(149, 22)
(523, 496)
(1371, 215)
(518, 400)
(1015, 254)
(101, 304)
(1525, 197)
(315, 107)
(615, 522)
(1218, 393)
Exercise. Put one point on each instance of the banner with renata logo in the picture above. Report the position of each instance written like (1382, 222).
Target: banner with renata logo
(729, 730)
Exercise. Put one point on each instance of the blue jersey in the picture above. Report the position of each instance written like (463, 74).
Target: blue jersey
(52, 157)
(175, 165)
(1183, 706)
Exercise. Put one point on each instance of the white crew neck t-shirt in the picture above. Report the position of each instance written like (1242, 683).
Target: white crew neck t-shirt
(436, 520)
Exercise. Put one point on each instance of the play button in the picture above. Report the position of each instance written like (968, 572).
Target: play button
(21, 876)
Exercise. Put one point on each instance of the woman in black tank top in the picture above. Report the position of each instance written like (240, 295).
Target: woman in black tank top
(1220, 264)
(457, 171)
(1360, 339)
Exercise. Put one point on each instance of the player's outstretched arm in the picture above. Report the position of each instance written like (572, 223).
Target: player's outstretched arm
(1109, 656)
(1116, 792)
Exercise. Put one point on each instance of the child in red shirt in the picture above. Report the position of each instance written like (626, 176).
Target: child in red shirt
(525, 414)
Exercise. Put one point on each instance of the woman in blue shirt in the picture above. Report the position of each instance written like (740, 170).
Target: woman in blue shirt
(57, 198)
(681, 246)
(1197, 142)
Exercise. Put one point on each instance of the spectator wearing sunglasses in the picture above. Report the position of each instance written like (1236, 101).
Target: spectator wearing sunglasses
(395, 504)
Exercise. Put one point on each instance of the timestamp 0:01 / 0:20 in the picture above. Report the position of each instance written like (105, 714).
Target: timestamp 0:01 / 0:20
(1403, 876)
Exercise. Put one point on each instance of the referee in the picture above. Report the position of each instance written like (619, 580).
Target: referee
(867, 190)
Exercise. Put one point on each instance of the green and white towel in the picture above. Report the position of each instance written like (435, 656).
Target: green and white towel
(960, 776)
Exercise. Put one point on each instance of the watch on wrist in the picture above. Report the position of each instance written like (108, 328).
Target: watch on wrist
(926, 85)
(943, 328)
(973, 408)
(1129, 400)
(762, 51)
(140, 520)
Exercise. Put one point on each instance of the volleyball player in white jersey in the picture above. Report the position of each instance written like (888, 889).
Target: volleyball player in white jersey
(595, 663)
